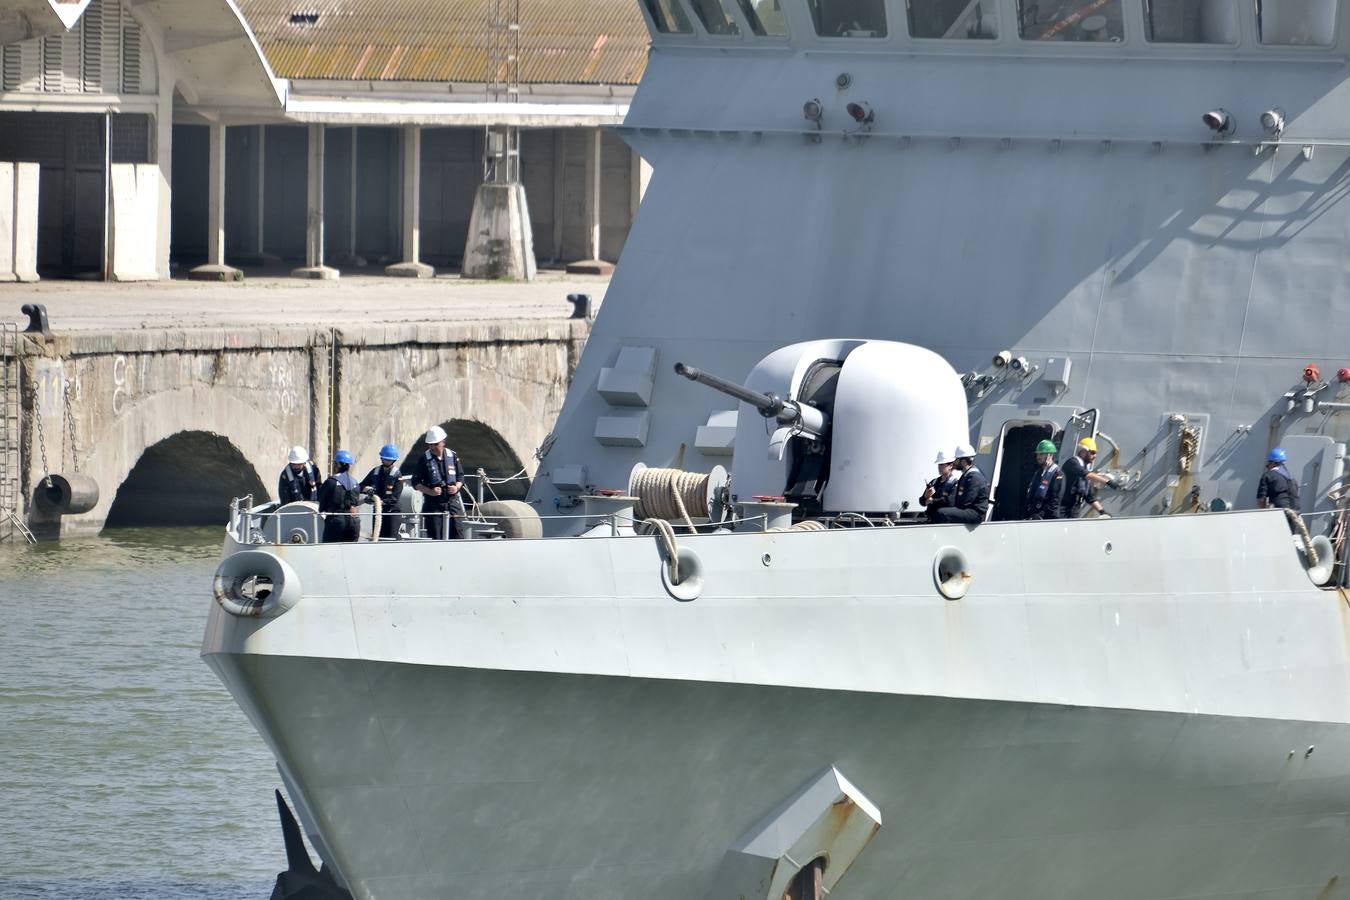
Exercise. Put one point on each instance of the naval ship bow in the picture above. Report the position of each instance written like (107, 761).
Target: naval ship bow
(718, 653)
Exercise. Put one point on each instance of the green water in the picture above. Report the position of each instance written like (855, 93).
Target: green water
(127, 770)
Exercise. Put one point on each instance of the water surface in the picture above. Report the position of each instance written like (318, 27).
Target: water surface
(128, 771)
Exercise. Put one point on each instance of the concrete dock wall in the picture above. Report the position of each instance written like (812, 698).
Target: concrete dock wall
(178, 419)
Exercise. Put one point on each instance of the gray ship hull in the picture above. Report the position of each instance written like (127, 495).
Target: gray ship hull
(1118, 708)
(446, 782)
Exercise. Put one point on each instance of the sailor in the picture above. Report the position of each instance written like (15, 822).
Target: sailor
(937, 494)
(438, 479)
(1046, 491)
(385, 481)
(1277, 488)
(970, 500)
(339, 497)
(300, 479)
(1080, 480)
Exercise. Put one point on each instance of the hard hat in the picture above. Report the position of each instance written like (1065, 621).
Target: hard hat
(298, 455)
(1046, 447)
(965, 451)
(1088, 443)
(435, 434)
(388, 451)
(343, 456)
(944, 458)
(1277, 456)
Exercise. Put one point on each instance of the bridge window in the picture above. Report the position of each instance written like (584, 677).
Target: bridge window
(765, 17)
(849, 18)
(1296, 22)
(1190, 21)
(714, 18)
(961, 19)
(1076, 20)
(668, 17)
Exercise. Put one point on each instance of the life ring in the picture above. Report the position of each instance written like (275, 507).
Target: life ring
(255, 584)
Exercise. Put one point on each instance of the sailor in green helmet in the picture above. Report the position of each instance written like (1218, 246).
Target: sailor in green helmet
(1047, 485)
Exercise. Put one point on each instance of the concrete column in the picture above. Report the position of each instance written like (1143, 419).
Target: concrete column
(412, 266)
(593, 264)
(350, 259)
(215, 268)
(314, 267)
(164, 162)
(594, 177)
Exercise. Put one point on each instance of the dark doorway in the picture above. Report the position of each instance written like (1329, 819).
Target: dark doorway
(191, 195)
(187, 479)
(1016, 467)
(477, 446)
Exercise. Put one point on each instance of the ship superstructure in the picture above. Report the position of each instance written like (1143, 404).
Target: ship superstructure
(891, 227)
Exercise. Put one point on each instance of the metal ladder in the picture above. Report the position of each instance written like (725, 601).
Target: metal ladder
(11, 516)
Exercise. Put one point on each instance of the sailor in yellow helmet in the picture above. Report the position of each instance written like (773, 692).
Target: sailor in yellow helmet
(1079, 481)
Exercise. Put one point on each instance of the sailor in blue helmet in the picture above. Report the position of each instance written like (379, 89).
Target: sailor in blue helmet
(339, 498)
(1277, 488)
(300, 479)
(438, 479)
(385, 481)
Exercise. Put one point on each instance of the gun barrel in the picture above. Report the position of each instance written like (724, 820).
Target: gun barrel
(767, 404)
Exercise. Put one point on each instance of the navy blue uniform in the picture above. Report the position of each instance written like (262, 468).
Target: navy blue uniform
(386, 484)
(433, 472)
(1045, 493)
(970, 502)
(1278, 488)
(944, 488)
(338, 496)
(304, 485)
(1077, 489)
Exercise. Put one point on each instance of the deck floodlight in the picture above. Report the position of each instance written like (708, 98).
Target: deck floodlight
(1219, 122)
(1272, 120)
(861, 113)
(1002, 358)
(813, 111)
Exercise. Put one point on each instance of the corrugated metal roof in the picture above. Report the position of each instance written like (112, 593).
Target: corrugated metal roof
(561, 41)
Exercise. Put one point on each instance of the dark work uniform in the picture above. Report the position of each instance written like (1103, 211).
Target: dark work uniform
(302, 486)
(337, 496)
(944, 488)
(432, 472)
(386, 485)
(1278, 488)
(970, 502)
(1077, 489)
(1045, 493)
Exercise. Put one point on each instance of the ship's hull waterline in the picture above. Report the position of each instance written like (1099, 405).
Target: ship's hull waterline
(1124, 708)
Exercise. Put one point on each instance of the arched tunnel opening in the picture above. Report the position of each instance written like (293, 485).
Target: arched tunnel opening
(477, 446)
(186, 479)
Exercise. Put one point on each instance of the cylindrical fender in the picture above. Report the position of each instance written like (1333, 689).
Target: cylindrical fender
(67, 495)
(256, 584)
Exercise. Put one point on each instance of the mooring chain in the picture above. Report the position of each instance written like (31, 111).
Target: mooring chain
(70, 423)
(35, 418)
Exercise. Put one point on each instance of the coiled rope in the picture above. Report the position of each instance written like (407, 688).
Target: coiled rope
(671, 494)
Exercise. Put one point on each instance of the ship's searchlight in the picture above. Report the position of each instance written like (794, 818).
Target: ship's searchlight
(1219, 122)
(1272, 120)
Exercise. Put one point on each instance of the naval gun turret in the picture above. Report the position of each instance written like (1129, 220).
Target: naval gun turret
(858, 424)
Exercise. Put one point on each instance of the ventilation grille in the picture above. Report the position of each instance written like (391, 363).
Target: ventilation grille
(102, 55)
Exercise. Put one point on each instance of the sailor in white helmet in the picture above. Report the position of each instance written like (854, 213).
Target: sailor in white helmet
(970, 502)
(438, 479)
(937, 494)
(300, 479)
